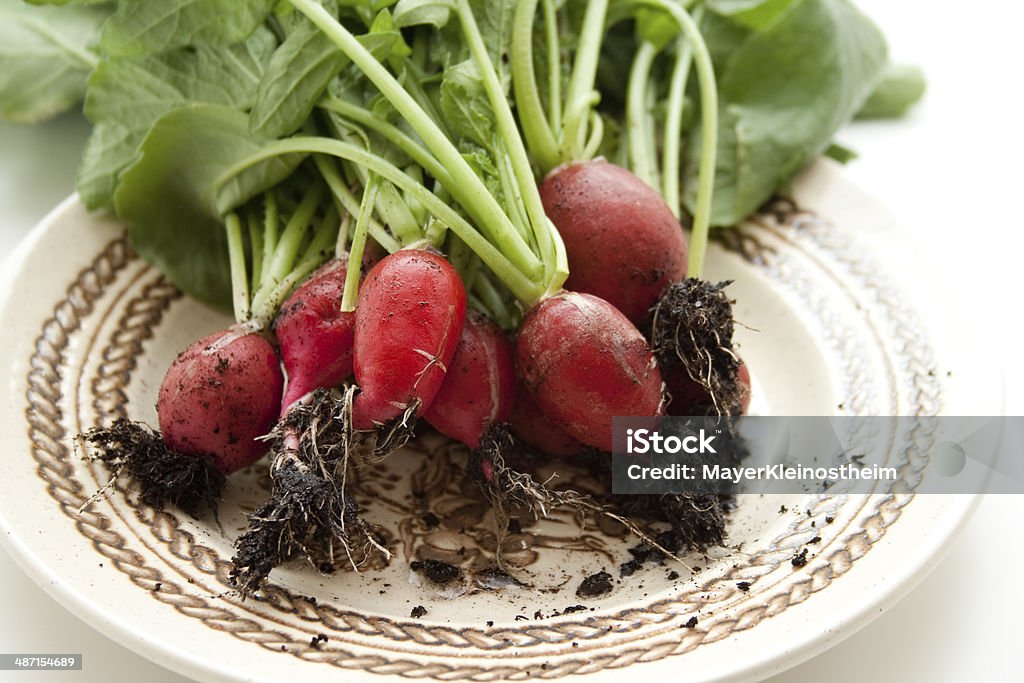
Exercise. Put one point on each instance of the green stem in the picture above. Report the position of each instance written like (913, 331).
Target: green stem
(509, 132)
(355, 258)
(513, 197)
(341, 245)
(325, 238)
(466, 186)
(389, 132)
(294, 232)
(672, 143)
(593, 145)
(270, 225)
(709, 132)
(554, 65)
(394, 211)
(344, 196)
(256, 245)
(522, 286)
(495, 303)
(584, 74)
(539, 136)
(639, 133)
(239, 279)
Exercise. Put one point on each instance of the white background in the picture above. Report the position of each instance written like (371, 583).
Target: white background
(952, 175)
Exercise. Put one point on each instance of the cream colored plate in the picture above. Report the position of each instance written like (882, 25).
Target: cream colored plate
(89, 329)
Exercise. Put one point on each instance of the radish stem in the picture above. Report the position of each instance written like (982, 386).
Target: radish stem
(584, 73)
(239, 278)
(709, 131)
(270, 219)
(522, 286)
(344, 196)
(536, 128)
(355, 258)
(256, 243)
(466, 186)
(509, 132)
(674, 124)
(641, 136)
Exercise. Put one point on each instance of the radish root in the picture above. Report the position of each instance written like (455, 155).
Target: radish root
(692, 327)
(508, 489)
(311, 511)
(165, 477)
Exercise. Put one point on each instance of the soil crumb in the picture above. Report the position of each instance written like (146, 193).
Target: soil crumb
(436, 571)
(595, 585)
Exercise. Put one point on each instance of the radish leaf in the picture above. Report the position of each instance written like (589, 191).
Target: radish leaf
(784, 93)
(173, 205)
(149, 26)
(126, 95)
(901, 87)
(45, 58)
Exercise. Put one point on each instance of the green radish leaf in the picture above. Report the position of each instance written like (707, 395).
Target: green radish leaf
(756, 14)
(784, 92)
(901, 88)
(837, 152)
(149, 26)
(384, 39)
(126, 95)
(45, 58)
(295, 79)
(464, 104)
(434, 13)
(656, 27)
(172, 202)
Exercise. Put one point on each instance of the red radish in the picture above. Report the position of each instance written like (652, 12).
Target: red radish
(219, 396)
(314, 336)
(409, 320)
(688, 396)
(622, 240)
(533, 427)
(480, 386)
(585, 363)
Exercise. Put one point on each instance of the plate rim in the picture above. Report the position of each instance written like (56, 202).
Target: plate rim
(107, 621)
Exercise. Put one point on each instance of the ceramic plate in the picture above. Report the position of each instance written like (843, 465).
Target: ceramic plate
(89, 329)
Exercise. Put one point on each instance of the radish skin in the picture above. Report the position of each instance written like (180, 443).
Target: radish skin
(409, 321)
(479, 389)
(219, 396)
(531, 426)
(584, 363)
(687, 396)
(623, 242)
(314, 336)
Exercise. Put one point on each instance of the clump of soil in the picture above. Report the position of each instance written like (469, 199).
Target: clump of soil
(436, 571)
(595, 585)
(691, 328)
(165, 477)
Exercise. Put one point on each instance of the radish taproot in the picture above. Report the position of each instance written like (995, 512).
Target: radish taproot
(479, 389)
(623, 242)
(531, 426)
(690, 397)
(217, 399)
(584, 363)
(314, 336)
(219, 396)
(412, 307)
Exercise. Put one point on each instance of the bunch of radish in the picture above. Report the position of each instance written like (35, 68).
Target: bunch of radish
(493, 315)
